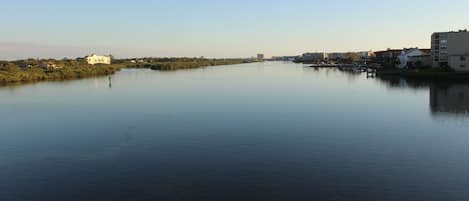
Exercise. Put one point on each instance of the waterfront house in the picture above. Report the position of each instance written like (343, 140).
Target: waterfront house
(413, 57)
(419, 61)
(451, 49)
(387, 58)
(388, 54)
(95, 59)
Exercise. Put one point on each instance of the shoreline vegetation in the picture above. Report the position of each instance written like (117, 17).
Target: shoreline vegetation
(170, 64)
(35, 74)
(33, 70)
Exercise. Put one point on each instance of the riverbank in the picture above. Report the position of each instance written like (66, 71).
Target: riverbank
(12, 73)
(179, 65)
(16, 75)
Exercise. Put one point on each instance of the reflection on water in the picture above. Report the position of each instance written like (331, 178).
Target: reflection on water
(450, 98)
(403, 83)
(449, 103)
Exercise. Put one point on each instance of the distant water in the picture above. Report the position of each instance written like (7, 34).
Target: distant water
(264, 131)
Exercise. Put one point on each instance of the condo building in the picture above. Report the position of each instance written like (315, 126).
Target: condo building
(451, 49)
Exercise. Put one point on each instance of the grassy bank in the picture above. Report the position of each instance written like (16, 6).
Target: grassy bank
(10, 72)
(190, 64)
(34, 74)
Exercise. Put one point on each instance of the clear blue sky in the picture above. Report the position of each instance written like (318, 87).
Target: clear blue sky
(220, 28)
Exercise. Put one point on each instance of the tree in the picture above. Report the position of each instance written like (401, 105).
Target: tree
(353, 57)
(33, 62)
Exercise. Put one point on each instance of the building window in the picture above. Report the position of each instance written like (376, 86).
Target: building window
(462, 58)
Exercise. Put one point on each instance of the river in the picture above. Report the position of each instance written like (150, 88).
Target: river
(260, 131)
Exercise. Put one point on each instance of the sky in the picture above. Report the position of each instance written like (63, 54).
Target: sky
(219, 28)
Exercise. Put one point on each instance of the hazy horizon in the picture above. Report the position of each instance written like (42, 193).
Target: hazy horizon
(219, 29)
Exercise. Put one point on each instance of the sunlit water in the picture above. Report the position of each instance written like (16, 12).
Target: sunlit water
(264, 131)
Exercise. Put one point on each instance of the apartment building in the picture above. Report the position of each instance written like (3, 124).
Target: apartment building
(451, 49)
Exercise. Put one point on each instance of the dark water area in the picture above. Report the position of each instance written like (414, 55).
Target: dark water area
(262, 131)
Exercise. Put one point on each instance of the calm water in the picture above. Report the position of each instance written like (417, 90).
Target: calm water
(272, 131)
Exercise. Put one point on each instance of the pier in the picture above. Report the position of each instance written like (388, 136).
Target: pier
(371, 72)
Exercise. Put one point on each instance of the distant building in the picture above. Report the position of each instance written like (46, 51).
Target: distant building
(337, 56)
(284, 58)
(95, 59)
(451, 49)
(341, 56)
(315, 57)
(260, 57)
(49, 65)
(366, 55)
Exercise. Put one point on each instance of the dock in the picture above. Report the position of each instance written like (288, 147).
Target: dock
(371, 72)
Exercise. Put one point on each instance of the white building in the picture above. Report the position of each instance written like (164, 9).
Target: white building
(95, 59)
(408, 54)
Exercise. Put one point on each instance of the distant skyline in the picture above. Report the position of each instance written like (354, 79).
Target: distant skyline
(220, 28)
